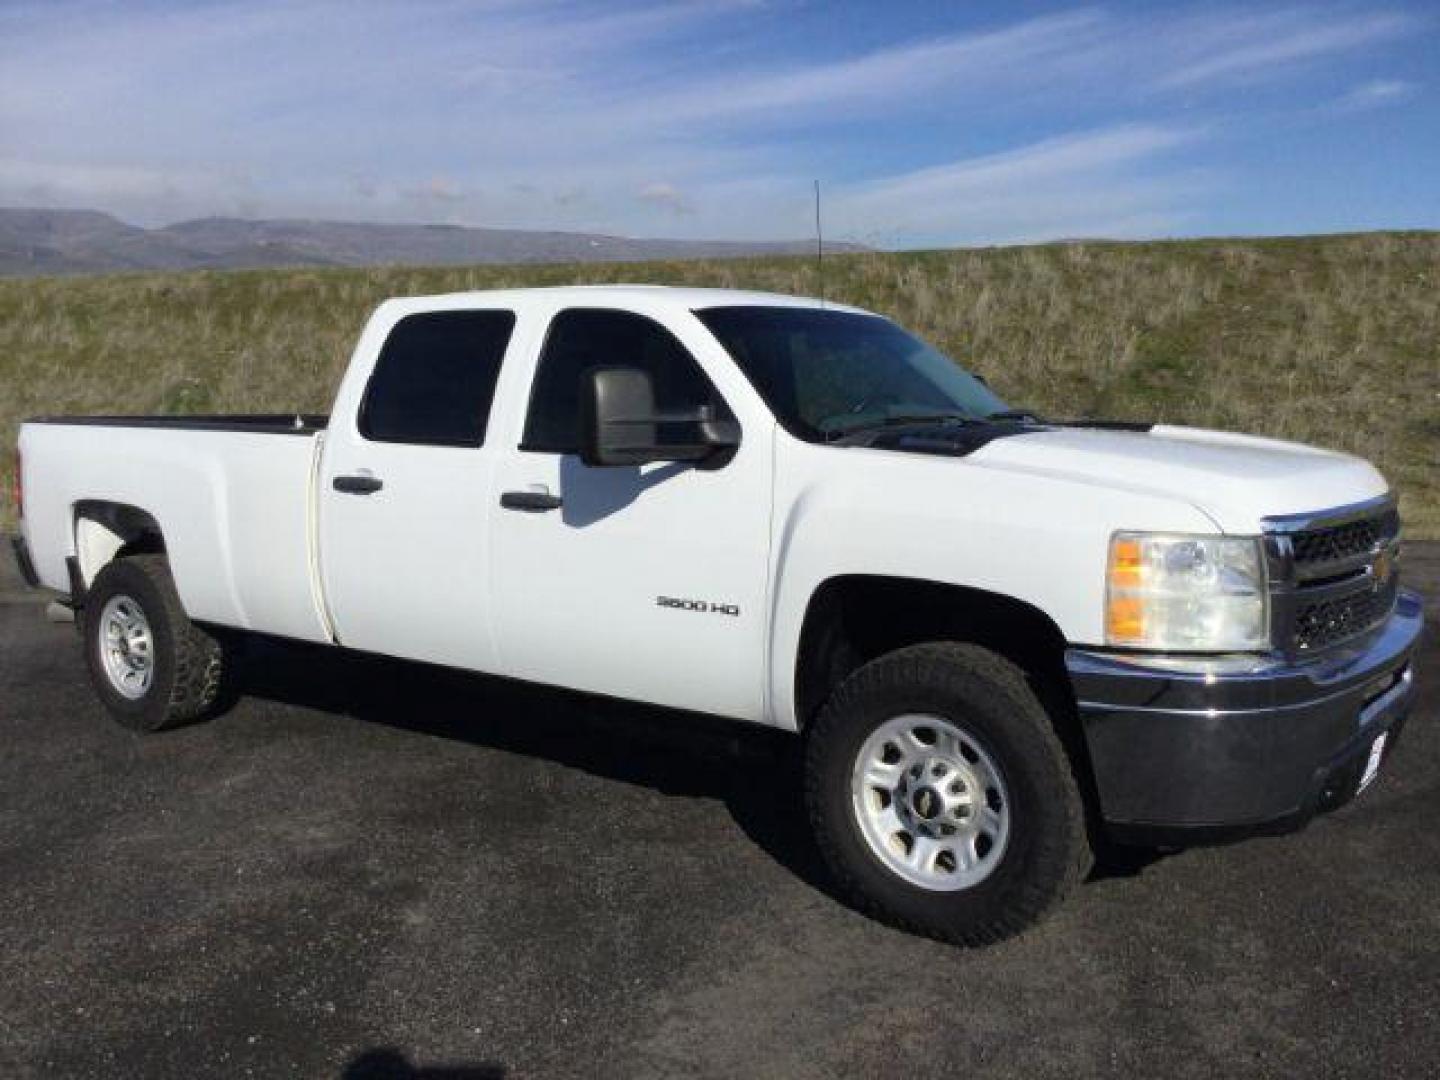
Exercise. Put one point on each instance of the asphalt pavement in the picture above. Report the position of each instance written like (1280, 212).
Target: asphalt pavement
(374, 870)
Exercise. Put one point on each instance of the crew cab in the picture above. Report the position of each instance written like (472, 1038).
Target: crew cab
(1002, 638)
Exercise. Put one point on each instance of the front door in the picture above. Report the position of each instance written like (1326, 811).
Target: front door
(646, 583)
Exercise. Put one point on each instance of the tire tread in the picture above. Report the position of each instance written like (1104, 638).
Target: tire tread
(962, 670)
(200, 658)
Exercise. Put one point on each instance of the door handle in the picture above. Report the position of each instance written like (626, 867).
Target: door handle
(357, 485)
(533, 502)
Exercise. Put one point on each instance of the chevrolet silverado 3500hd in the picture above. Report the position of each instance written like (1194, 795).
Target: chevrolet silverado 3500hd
(1000, 637)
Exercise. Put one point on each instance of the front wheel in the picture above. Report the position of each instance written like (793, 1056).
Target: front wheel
(941, 796)
(150, 665)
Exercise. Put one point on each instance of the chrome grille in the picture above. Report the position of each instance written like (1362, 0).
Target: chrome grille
(1334, 575)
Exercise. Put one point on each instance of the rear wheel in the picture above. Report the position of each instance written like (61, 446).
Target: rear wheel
(942, 798)
(150, 665)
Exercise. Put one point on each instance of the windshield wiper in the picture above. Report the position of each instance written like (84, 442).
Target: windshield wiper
(895, 421)
(1014, 414)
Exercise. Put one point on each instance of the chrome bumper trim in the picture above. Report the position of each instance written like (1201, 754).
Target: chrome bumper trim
(1239, 743)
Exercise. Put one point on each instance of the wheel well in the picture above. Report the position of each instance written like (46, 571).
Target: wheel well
(105, 531)
(854, 619)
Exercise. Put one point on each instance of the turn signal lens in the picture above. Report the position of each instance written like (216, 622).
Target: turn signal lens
(1125, 619)
(1186, 593)
(1125, 563)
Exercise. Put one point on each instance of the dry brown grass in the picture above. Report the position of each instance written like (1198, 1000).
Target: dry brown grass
(1330, 340)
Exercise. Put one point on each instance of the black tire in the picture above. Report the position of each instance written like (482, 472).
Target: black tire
(1047, 853)
(189, 664)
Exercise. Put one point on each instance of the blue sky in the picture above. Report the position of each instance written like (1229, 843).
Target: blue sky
(928, 124)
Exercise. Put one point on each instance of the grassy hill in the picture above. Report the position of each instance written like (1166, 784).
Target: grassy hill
(1331, 340)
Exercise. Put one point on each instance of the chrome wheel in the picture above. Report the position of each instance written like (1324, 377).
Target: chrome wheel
(931, 802)
(127, 647)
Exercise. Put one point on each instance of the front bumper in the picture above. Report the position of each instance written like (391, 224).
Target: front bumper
(1203, 750)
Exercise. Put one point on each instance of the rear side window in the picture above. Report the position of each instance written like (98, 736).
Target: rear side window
(585, 338)
(435, 378)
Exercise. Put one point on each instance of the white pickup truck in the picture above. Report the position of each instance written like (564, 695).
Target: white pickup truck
(1001, 638)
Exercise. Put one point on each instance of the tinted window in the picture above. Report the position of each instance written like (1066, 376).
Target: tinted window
(435, 378)
(822, 372)
(581, 339)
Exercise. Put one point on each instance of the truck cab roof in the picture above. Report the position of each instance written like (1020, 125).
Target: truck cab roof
(617, 295)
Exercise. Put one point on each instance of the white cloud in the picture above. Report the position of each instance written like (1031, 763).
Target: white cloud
(129, 190)
(666, 195)
(1089, 184)
(438, 189)
(877, 79)
(632, 116)
(1060, 158)
(1377, 93)
(1258, 46)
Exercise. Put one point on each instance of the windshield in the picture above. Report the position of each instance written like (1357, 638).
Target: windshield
(827, 372)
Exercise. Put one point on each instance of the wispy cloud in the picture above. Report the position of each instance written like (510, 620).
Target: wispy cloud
(1065, 157)
(640, 116)
(101, 185)
(666, 195)
(880, 78)
(1079, 184)
(1256, 46)
(1377, 93)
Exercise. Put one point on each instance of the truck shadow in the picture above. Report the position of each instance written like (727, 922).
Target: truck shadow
(756, 772)
(387, 1063)
(592, 495)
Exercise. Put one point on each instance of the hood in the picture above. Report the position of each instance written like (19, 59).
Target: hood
(1236, 480)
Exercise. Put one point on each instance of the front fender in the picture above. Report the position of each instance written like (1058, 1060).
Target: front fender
(859, 511)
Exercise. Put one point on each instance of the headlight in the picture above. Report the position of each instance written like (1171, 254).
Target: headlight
(1186, 593)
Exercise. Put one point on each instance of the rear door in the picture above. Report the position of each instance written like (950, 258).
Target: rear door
(405, 491)
(647, 582)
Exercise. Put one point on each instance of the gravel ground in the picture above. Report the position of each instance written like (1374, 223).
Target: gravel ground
(374, 870)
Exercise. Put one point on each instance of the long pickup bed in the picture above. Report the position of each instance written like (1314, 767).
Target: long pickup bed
(235, 493)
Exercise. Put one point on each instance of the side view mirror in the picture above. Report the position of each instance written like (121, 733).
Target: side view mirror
(621, 426)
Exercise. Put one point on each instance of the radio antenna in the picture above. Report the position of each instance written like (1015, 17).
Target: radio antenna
(819, 246)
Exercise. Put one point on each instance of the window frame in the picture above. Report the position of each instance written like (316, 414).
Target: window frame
(361, 423)
(525, 445)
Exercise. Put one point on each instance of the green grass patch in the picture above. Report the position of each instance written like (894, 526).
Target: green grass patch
(1330, 340)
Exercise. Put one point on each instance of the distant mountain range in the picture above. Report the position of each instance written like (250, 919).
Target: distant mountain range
(88, 241)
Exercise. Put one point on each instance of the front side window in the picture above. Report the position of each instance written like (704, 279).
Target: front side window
(584, 338)
(435, 379)
(824, 372)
